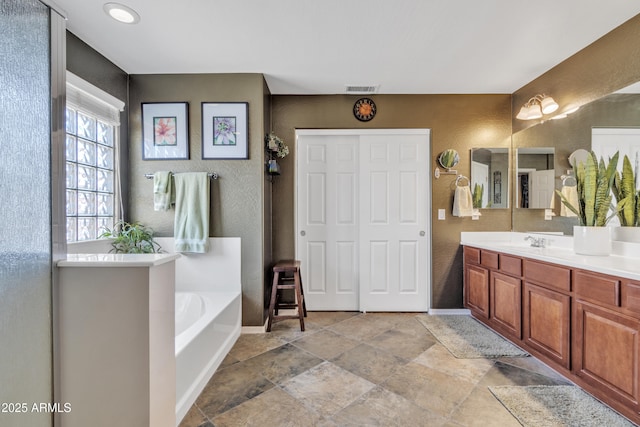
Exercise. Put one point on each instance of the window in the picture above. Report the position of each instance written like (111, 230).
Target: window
(92, 128)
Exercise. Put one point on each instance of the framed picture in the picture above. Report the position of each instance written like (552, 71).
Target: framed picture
(225, 130)
(165, 130)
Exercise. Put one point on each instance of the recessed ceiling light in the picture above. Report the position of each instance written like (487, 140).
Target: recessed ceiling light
(121, 13)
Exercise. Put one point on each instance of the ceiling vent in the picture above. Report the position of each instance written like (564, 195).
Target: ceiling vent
(361, 89)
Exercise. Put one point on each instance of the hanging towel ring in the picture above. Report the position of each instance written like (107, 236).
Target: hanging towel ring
(459, 178)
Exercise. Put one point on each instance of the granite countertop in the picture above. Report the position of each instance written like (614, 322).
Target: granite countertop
(623, 262)
(116, 260)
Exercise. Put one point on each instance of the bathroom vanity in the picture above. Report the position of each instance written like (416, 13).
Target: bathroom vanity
(579, 314)
(115, 350)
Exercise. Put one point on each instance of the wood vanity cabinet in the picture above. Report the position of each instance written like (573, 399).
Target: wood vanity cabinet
(547, 310)
(584, 324)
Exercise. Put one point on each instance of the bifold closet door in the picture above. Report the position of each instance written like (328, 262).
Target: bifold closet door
(362, 231)
(327, 215)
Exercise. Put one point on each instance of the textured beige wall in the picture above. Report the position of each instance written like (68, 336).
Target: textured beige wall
(456, 121)
(237, 197)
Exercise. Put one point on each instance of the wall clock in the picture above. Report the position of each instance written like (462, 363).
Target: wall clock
(364, 109)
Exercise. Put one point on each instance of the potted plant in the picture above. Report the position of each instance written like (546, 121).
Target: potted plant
(476, 196)
(131, 238)
(594, 183)
(275, 146)
(628, 203)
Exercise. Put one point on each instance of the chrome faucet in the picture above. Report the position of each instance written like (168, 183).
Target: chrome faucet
(536, 242)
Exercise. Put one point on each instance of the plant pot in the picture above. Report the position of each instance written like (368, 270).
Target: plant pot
(591, 240)
(273, 168)
(626, 234)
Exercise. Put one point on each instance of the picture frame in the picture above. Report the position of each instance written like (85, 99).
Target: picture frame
(225, 130)
(165, 130)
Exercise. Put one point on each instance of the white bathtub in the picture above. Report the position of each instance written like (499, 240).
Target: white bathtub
(208, 314)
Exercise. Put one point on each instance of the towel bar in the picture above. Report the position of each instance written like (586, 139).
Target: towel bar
(212, 175)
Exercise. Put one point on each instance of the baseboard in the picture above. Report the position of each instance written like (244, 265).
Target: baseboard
(255, 329)
(445, 311)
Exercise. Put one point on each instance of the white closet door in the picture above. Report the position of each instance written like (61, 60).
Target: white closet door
(362, 232)
(394, 257)
(327, 215)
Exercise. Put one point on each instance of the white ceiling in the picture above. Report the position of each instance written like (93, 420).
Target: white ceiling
(318, 47)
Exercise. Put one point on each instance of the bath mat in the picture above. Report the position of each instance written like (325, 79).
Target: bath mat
(466, 338)
(561, 406)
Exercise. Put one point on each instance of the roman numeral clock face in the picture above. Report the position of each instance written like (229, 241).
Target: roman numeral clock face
(364, 109)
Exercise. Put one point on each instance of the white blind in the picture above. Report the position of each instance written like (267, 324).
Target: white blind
(84, 96)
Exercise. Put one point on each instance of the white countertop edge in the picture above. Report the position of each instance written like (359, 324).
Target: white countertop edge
(616, 265)
(117, 260)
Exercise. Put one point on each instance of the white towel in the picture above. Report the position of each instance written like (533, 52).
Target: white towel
(191, 228)
(162, 191)
(571, 194)
(462, 201)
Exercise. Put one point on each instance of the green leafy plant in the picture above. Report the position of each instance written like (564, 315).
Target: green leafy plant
(627, 198)
(476, 196)
(594, 183)
(131, 238)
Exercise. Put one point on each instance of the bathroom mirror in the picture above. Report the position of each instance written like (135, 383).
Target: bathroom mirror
(448, 158)
(490, 170)
(535, 177)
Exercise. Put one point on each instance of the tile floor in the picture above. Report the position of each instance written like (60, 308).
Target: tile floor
(355, 369)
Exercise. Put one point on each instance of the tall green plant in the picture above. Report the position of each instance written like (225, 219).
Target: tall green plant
(476, 196)
(594, 182)
(131, 238)
(627, 198)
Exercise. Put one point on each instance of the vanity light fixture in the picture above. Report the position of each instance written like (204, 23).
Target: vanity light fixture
(536, 107)
(121, 13)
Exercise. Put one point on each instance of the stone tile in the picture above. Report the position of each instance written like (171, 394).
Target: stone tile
(505, 374)
(282, 363)
(380, 407)
(230, 387)
(482, 409)
(428, 388)
(327, 388)
(228, 361)
(413, 327)
(272, 408)
(440, 359)
(370, 363)
(326, 344)
(328, 318)
(289, 330)
(195, 418)
(363, 327)
(250, 345)
(401, 343)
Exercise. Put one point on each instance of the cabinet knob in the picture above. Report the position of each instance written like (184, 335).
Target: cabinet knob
(422, 233)
(303, 233)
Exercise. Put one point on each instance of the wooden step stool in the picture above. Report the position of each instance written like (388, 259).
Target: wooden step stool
(282, 281)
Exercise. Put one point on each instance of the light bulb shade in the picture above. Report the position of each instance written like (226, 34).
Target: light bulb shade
(534, 112)
(548, 105)
(121, 13)
(522, 114)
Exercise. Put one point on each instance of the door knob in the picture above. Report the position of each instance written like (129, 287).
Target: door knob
(422, 233)
(302, 233)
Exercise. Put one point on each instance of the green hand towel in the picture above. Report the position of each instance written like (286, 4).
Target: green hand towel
(162, 191)
(191, 228)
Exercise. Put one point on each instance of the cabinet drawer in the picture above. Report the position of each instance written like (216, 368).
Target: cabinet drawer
(548, 275)
(511, 265)
(489, 259)
(631, 296)
(471, 255)
(597, 288)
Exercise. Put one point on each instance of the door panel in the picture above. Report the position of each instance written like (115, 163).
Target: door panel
(362, 204)
(327, 216)
(393, 199)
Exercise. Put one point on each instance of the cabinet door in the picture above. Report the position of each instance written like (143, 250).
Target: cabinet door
(506, 303)
(606, 348)
(476, 295)
(546, 323)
